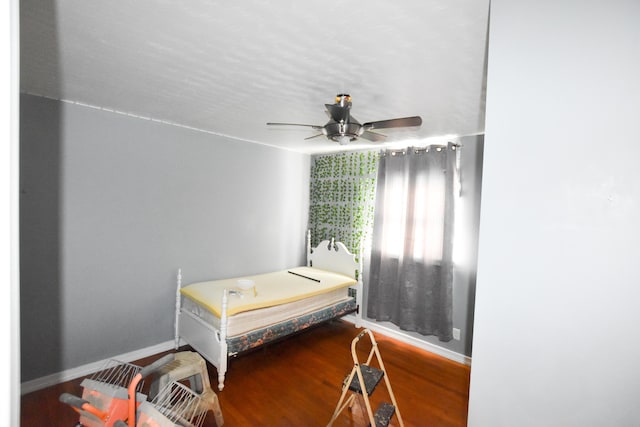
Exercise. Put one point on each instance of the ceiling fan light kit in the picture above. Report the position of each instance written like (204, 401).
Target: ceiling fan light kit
(343, 128)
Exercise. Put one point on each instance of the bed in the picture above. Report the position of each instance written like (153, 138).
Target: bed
(223, 318)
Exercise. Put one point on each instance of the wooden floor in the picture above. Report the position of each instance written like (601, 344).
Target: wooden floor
(298, 381)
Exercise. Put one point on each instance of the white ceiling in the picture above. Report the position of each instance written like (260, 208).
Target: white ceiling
(228, 67)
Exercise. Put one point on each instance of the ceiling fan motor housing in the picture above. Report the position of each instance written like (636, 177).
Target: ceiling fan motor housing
(337, 131)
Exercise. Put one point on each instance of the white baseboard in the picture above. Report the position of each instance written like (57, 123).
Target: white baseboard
(88, 369)
(407, 339)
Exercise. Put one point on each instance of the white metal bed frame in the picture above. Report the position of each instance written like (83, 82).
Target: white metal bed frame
(211, 343)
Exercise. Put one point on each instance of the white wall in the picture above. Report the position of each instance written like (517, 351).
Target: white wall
(555, 338)
(9, 305)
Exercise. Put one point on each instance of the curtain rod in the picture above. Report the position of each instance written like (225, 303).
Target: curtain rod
(417, 150)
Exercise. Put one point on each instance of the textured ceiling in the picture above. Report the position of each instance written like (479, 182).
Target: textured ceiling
(228, 67)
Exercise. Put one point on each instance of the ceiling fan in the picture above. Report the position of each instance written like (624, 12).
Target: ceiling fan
(343, 128)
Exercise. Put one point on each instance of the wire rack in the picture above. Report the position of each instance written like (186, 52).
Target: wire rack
(106, 394)
(175, 406)
(117, 373)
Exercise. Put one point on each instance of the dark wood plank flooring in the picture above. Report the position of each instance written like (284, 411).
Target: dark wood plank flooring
(297, 382)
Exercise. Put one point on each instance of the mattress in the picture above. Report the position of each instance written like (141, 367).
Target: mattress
(258, 337)
(278, 296)
(261, 317)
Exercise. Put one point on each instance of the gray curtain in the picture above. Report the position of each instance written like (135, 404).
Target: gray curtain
(411, 267)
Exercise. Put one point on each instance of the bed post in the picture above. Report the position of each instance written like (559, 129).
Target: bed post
(309, 248)
(176, 324)
(359, 288)
(224, 356)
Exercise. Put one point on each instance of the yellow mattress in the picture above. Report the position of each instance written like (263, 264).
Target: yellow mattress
(271, 289)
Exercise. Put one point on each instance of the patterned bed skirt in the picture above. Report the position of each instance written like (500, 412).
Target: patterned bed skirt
(262, 336)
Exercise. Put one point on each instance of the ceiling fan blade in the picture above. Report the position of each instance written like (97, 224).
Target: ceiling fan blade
(294, 124)
(314, 136)
(372, 136)
(394, 123)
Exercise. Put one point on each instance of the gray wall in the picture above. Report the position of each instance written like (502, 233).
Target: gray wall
(556, 321)
(112, 206)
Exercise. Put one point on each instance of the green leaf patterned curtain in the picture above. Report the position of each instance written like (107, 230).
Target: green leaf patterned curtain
(342, 198)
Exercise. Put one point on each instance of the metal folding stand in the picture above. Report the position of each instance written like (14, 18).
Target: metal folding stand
(362, 381)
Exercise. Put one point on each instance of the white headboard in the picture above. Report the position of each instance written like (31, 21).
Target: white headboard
(333, 256)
